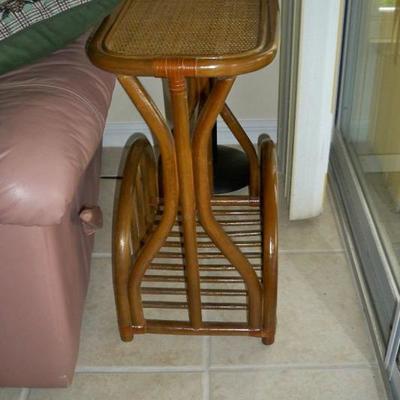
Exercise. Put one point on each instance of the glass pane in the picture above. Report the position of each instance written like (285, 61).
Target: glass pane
(370, 114)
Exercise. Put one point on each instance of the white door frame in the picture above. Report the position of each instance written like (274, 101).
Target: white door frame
(316, 93)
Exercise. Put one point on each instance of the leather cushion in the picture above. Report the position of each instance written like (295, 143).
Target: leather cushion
(52, 117)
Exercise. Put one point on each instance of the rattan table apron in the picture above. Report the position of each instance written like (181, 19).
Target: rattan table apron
(171, 236)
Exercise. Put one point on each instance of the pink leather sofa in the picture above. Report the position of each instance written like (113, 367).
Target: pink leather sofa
(52, 116)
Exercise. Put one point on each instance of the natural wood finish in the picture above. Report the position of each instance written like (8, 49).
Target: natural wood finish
(171, 235)
(208, 328)
(202, 137)
(107, 51)
(176, 305)
(127, 232)
(204, 292)
(244, 141)
(170, 190)
(180, 112)
(269, 214)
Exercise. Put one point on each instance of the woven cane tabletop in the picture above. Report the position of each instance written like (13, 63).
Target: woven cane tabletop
(144, 30)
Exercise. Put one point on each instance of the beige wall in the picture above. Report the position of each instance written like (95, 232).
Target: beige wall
(254, 96)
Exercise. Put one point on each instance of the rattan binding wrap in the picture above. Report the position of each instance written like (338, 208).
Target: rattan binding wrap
(212, 28)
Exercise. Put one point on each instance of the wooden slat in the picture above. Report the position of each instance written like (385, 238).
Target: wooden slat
(252, 221)
(204, 292)
(207, 328)
(203, 267)
(178, 244)
(179, 278)
(234, 201)
(176, 305)
(204, 255)
(232, 234)
(236, 212)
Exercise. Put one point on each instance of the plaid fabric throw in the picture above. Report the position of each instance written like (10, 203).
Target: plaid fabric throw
(16, 15)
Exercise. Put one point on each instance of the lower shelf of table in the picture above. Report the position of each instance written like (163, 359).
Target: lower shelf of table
(221, 286)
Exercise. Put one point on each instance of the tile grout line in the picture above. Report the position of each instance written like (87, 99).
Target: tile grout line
(206, 373)
(207, 368)
(138, 370)
(293, 366)
(24, 395)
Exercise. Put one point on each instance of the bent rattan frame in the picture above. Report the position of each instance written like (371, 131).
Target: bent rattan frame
(174, 216)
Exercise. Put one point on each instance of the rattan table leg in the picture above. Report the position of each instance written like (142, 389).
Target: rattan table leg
(180, 116)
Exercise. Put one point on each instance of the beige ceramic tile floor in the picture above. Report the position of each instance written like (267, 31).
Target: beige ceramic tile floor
(322, 350)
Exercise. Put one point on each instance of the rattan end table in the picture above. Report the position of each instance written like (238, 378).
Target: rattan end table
(172, 237)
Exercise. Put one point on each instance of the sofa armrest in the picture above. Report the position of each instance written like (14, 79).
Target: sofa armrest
(52, 119)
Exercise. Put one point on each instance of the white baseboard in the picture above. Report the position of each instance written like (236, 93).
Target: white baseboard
(116, 134)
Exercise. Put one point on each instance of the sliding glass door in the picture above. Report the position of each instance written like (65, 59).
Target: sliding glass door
(370, 119)
(366, 159)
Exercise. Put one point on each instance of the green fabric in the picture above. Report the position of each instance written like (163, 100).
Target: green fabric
(17, 15)
(49, 35)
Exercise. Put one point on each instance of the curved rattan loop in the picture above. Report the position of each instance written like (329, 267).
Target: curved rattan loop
(201, 139)
(244, 141)
(128, 229)
(269, 218)
(158, 127)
